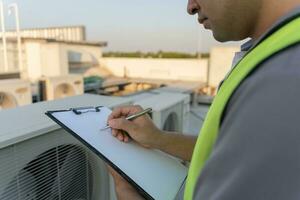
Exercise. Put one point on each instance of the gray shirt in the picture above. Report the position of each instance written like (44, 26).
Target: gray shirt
(257, 153)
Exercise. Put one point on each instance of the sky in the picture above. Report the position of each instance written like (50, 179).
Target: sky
(127, 25)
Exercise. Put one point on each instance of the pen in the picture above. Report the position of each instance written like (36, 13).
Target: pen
(131, 117)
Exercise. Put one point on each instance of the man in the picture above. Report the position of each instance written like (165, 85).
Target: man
(248, 147)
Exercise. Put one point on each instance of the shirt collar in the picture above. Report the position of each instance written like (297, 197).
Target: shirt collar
(247, 45)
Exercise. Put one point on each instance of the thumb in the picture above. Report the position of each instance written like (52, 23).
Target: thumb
(122, 124)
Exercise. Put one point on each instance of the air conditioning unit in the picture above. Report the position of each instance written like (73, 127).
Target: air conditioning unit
(62, 86)
(39, 160)
(52, 166)
(14, 92)
(185, 95)
(168, 110)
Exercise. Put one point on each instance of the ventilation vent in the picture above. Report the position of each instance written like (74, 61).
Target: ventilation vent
(7, 101)
(171, 123)
(64, 90)
(60, 173)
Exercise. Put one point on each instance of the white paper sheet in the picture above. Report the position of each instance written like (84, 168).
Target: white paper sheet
(158, 174)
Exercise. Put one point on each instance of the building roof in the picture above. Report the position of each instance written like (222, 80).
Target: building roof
(51, 27)
(88, 43)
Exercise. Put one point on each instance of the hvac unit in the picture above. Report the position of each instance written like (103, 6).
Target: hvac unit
(14, 92)
(139, 96)
(39, 160)
(62, 86)
(183, 93)
(51, 166)
(168, 110)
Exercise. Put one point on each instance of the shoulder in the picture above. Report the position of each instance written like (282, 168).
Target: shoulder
(267, 101)
(285, 62)
(278, 76)
(256, 155)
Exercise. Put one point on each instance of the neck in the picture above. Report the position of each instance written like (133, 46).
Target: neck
(270, 12)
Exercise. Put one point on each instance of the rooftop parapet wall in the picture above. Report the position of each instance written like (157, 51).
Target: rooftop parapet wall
(220, 63)
(168, 69)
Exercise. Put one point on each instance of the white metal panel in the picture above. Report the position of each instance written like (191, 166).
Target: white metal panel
(163, 100)
(140, 96)
(30, 121)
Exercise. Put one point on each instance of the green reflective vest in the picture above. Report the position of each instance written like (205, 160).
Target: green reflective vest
(286, 36)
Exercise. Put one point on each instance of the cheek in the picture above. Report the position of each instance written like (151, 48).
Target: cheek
(218, 9)
(219, 15)
(218, 12)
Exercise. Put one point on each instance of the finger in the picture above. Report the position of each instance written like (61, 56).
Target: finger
(114, 132)
(110, 169)
(120, 137)
(120, 111)
(119, 132)
(126, 138)
(113, 172)
(123, 124)
(116, 113)
(124, 111)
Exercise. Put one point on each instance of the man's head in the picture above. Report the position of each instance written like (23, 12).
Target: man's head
(229, 20)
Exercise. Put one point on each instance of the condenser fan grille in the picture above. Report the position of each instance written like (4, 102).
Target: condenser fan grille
(60, 173)
(64, 90)
(171, 123)
(7, 101)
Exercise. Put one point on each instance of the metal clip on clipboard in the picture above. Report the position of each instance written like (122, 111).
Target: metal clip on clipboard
(81, 110)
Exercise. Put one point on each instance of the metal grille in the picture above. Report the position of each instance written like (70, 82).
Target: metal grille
(60, 173)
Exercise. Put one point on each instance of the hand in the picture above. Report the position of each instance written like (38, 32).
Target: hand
(123, 189)
(141, 129)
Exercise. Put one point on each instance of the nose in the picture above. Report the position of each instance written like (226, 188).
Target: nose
(192, 7)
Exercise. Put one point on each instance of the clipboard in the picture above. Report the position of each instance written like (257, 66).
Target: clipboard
(153, 173)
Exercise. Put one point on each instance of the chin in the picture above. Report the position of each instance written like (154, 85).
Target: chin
(226, 38)
(221, 38)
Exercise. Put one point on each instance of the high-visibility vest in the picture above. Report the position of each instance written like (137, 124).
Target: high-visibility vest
(281, 39)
